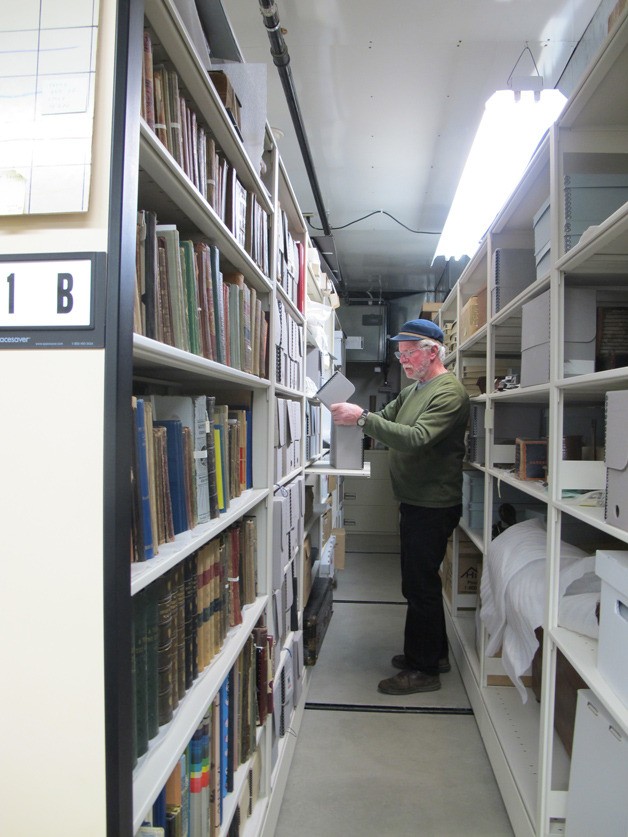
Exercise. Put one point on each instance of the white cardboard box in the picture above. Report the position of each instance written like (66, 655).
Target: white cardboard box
(597, 803)
(616, 458)
(612, 649)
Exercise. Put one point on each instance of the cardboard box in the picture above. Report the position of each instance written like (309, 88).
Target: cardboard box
(340, 548)
(612, 649)
(531, 459)
(596, 800)
(469, 321)
(326, 521)
(307, 568)
(469, 568)
(616, 460)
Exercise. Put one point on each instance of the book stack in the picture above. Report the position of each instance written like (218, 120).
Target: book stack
(289, 347)
(181, 620)
(289, 261)
(192, 800)
(182, 299)
(191, 459)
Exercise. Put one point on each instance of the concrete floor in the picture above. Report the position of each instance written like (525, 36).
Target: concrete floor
(372, 764)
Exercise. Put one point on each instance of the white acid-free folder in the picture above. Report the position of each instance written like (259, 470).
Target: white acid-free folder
(336, 390)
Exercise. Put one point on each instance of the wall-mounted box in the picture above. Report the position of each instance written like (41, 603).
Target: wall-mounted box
(365, 327)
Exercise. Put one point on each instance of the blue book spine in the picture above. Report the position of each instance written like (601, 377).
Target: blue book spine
(142, 477)
(224, 738)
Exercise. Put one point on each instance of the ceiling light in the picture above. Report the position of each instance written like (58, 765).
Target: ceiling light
(510, 130)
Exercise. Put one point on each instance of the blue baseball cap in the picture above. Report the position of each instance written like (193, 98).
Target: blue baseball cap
(418, 329)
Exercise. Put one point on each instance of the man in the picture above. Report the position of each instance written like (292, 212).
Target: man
(424, 429)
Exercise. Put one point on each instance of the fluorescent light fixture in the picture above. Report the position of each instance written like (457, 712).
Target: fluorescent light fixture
(509, 132)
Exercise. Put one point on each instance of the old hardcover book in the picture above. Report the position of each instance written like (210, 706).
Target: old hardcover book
(165, 651)
(192, 412)
(159, 83)
(148, 92)
(214, 509)
(139, 667)
(143, 479)
(190, 278)
(190, 571)
(168, 235)
(152, 655)
(176, 472)
(217, 295)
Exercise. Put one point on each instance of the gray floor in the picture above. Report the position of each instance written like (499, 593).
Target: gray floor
(372, 764)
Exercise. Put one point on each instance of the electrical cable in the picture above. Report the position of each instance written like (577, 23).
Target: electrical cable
(375, 212)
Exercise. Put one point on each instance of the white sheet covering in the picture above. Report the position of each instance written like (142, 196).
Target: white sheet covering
(513, 593)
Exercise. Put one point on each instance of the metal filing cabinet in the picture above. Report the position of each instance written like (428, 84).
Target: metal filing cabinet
(371, 513)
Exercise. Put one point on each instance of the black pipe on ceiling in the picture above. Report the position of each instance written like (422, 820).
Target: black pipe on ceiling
(281, 60)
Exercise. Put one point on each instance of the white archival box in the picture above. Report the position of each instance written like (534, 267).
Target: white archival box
(347, 449)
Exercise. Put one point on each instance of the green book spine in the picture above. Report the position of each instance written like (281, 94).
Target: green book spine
(152, 642)
(141, 707)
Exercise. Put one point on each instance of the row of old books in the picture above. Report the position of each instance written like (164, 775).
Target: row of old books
(180, 623)
(175, 120)
(183, 299)
(191, 458)
(191, 804)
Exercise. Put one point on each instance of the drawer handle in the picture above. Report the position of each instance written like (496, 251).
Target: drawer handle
(349, 522)
(350, 495)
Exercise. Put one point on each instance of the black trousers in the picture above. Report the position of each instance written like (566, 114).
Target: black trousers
(423, 536)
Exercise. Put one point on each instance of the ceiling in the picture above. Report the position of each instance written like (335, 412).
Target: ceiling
(391, 95)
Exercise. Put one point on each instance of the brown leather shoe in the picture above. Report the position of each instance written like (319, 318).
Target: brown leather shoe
(408, 682)
(399, 661)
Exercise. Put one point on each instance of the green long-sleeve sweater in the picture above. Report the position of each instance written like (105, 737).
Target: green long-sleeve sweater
(424, 430)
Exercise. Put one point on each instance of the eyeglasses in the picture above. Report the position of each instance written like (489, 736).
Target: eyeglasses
(404, 355)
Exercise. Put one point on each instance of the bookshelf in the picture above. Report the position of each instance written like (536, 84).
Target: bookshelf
(573, 272)
(72, 455)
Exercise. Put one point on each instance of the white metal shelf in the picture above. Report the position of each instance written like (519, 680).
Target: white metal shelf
(169, 555)
(166, 187)
(158, 361)
(581, 651)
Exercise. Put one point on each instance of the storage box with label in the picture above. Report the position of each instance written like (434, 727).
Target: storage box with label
(469, 567)
(512, 271)
(542, 243)
(612, 649)
(616, 459)
(597, 801)
(579, 336)
(589, 199)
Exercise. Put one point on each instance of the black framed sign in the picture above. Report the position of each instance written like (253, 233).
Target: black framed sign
(52, 301)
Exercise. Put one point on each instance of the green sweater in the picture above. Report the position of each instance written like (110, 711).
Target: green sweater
(424, 430)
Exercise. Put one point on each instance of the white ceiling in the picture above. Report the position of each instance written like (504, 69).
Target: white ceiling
(391, 95)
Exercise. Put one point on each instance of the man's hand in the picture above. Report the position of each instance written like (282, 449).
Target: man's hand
(345, 413)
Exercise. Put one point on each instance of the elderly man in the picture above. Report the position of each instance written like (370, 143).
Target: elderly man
(424, 429)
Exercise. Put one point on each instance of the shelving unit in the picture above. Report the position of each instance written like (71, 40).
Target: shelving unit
(591, 136)
(82, 583)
